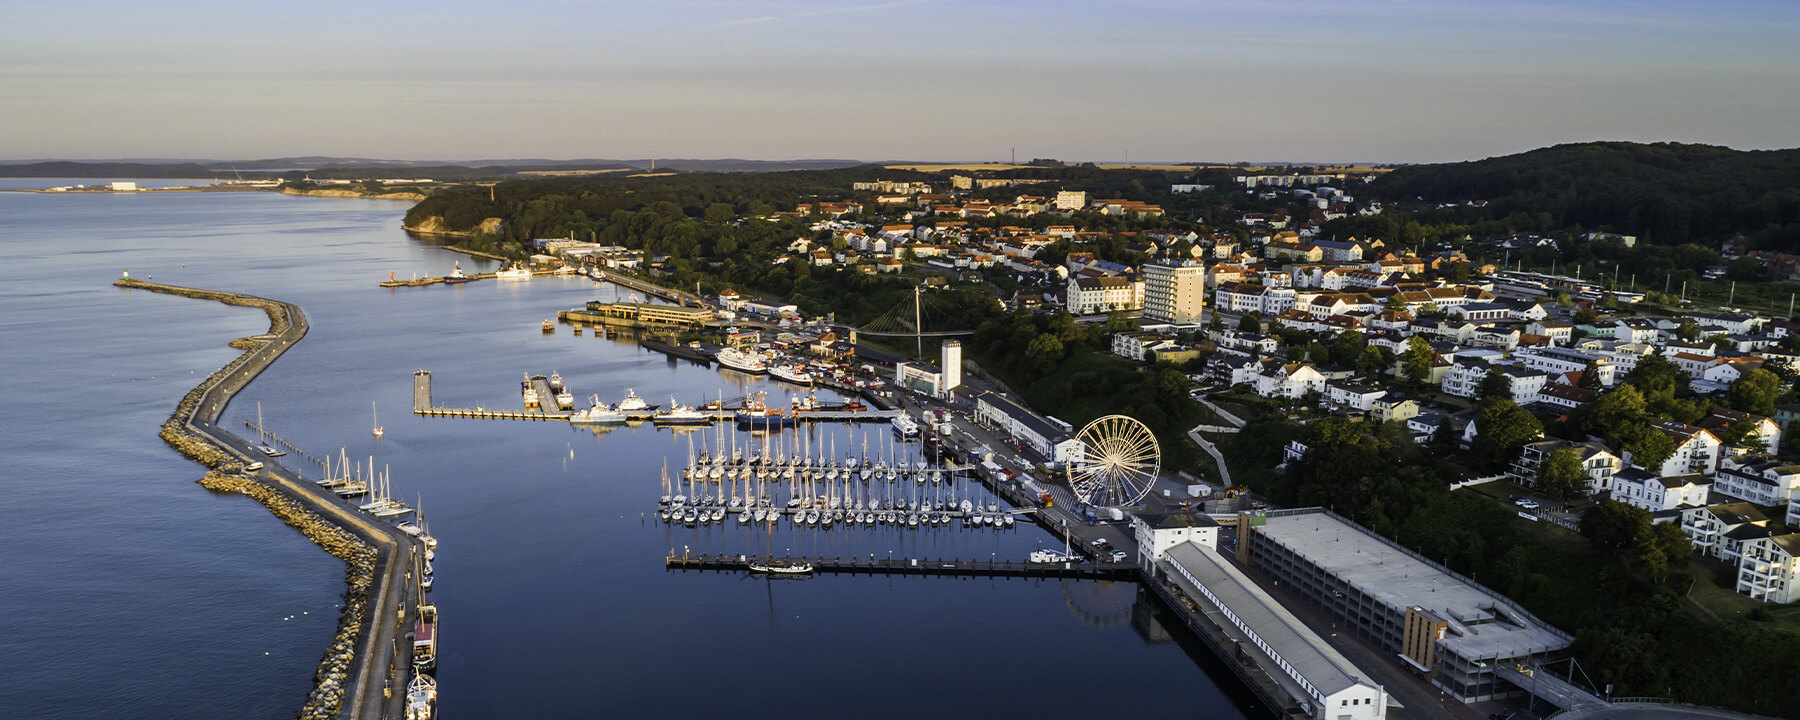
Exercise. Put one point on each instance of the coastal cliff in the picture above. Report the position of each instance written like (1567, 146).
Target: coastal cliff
(407, 195)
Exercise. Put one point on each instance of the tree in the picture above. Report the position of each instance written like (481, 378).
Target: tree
(720, 213)
(1614, 525)
(1043, 353)
(1586, 316)
(1375, 361)
(1250, 322)
(1346, 346)
(1561, 476)
(1661, 548)
(1755, 392)
(1494, 384)
(1688, 330)
(1745, 434)
(1501, 428)
(1590, 377)
(1415, 363)
(1612, 411)
(1649, 447)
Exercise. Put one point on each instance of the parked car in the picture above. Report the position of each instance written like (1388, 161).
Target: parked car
(1117, 556)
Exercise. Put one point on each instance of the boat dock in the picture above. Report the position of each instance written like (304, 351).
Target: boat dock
(913, 566)
(648, 288)
(422, 404)
(270, 434)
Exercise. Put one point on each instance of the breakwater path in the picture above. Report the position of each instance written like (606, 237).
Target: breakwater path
(365, 658)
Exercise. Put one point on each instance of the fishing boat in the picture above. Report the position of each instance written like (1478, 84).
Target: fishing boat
(633, 404)
(516, 272)
(791, 373)
(531, 394)
(756, 413)
(548, 326)
(424, 655)
(747, 361)
(565, 400)
(681, 414)
(376, 417)
(556, 383)
(421, 697)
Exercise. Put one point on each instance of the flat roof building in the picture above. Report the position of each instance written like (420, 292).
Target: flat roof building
(1324, 683)
(1439, 622)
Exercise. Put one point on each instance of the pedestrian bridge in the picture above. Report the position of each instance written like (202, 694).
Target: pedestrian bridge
(1550, 688)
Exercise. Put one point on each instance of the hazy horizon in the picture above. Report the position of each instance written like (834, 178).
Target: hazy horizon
(1395, 81)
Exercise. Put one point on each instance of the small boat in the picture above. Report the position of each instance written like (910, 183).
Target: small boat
(516, 272)
(425, 583)
(781, 567)
(376, 417)
(270, 450)
(556, 383)
(548, 325)
(530, 393)
(421, 697)
(456, 276)
(632, 403)
(565, 400)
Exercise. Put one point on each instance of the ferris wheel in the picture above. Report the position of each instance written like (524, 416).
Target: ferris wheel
(1118, 463)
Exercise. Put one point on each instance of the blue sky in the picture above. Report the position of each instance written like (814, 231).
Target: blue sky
(1371, 80)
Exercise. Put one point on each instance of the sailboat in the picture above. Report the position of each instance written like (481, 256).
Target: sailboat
(264, 446)
(376, 417)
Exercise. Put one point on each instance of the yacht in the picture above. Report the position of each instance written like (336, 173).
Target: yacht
(680, 414)
(781, 567)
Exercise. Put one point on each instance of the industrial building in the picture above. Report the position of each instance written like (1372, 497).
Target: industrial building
(1445, 626)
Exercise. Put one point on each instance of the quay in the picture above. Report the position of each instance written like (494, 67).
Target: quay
(641, 316)
(366, 656)
(914, 566)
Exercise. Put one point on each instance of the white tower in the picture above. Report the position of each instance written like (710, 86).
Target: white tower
(951, 366)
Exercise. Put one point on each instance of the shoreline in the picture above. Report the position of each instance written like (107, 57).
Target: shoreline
(375, 554)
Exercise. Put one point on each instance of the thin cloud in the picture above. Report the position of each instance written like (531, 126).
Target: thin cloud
(821, 12)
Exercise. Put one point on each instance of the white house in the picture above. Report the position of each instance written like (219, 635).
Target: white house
(1719, 531)
(1642, 489)
(1291, 380)
(1599, 463)
(1157, 532)
(1760, 480)
(1769, 569)
(1696, 451)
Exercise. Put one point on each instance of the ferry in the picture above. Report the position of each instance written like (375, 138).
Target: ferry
(905, 426)
(424, 655)
(516, 272)
(421, 698)
(679, 414)
(748, 361)
(597, 413)
(791, 373)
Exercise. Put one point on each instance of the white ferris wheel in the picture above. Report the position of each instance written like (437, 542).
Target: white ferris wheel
(1118, 463)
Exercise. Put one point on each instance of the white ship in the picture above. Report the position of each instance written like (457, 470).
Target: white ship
(791, 373)
(748, 361)
(516, 272)
(905, 426)
(632, 403)
(597, 413)
(680, 414)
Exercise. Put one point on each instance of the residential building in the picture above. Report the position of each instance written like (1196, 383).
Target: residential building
(1719, 531)
(1643, 489)
(1106, 293)
(1597, 462)
(1174, 291)
(1769, 569)
(1759, 480)
(1696, 451)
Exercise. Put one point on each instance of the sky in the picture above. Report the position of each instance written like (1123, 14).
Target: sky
(976, 80)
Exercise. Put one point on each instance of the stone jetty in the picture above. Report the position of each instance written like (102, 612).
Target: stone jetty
(191, 430)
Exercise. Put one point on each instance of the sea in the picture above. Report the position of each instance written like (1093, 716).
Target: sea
(126, 589)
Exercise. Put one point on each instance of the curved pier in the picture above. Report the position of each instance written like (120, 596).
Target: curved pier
(353, 676)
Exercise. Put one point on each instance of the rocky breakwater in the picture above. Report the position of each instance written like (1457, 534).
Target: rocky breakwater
(331, 679)
(226, 475)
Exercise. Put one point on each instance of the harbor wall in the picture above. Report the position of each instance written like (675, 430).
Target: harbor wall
(225, 474)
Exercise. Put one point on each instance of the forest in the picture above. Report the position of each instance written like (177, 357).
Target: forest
(1663, 193)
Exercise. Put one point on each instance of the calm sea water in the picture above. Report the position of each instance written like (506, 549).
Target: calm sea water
(127, 589)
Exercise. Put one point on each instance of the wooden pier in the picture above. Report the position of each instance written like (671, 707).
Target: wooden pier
(422, 404)
(913, 566)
